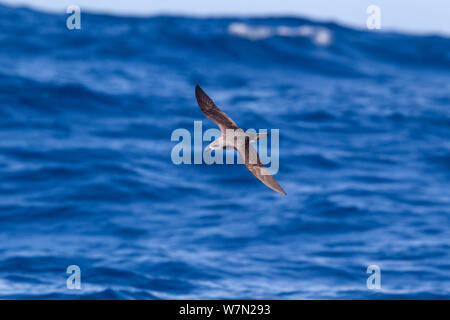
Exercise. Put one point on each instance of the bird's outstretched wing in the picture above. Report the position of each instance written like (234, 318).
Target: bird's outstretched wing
(253, 163)
(213, 112)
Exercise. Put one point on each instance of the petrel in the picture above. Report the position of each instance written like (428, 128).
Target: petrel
(234, 137)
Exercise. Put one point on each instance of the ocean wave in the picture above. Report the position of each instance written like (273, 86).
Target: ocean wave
(319, 35)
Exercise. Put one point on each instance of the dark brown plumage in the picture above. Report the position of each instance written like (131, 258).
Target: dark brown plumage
(212, 112)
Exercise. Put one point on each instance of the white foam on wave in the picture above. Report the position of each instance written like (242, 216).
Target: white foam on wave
(320, 36)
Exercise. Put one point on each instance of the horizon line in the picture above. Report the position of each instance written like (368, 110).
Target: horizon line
(181, 13)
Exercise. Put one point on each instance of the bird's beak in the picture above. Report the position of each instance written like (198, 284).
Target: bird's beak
(208, 148)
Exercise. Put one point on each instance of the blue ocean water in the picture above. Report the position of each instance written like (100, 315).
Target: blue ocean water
(86, 176)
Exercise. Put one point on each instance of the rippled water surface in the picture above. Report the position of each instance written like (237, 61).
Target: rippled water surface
(86, 176)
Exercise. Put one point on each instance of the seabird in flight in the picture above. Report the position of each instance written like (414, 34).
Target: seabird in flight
(234, 137)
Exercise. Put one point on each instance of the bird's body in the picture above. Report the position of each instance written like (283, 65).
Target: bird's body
(234, 137)
(231, 138)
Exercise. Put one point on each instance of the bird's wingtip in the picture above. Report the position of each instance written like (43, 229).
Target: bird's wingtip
(281, 190)
(198, 90)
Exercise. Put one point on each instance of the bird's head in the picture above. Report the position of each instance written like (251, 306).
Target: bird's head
(213, 146)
